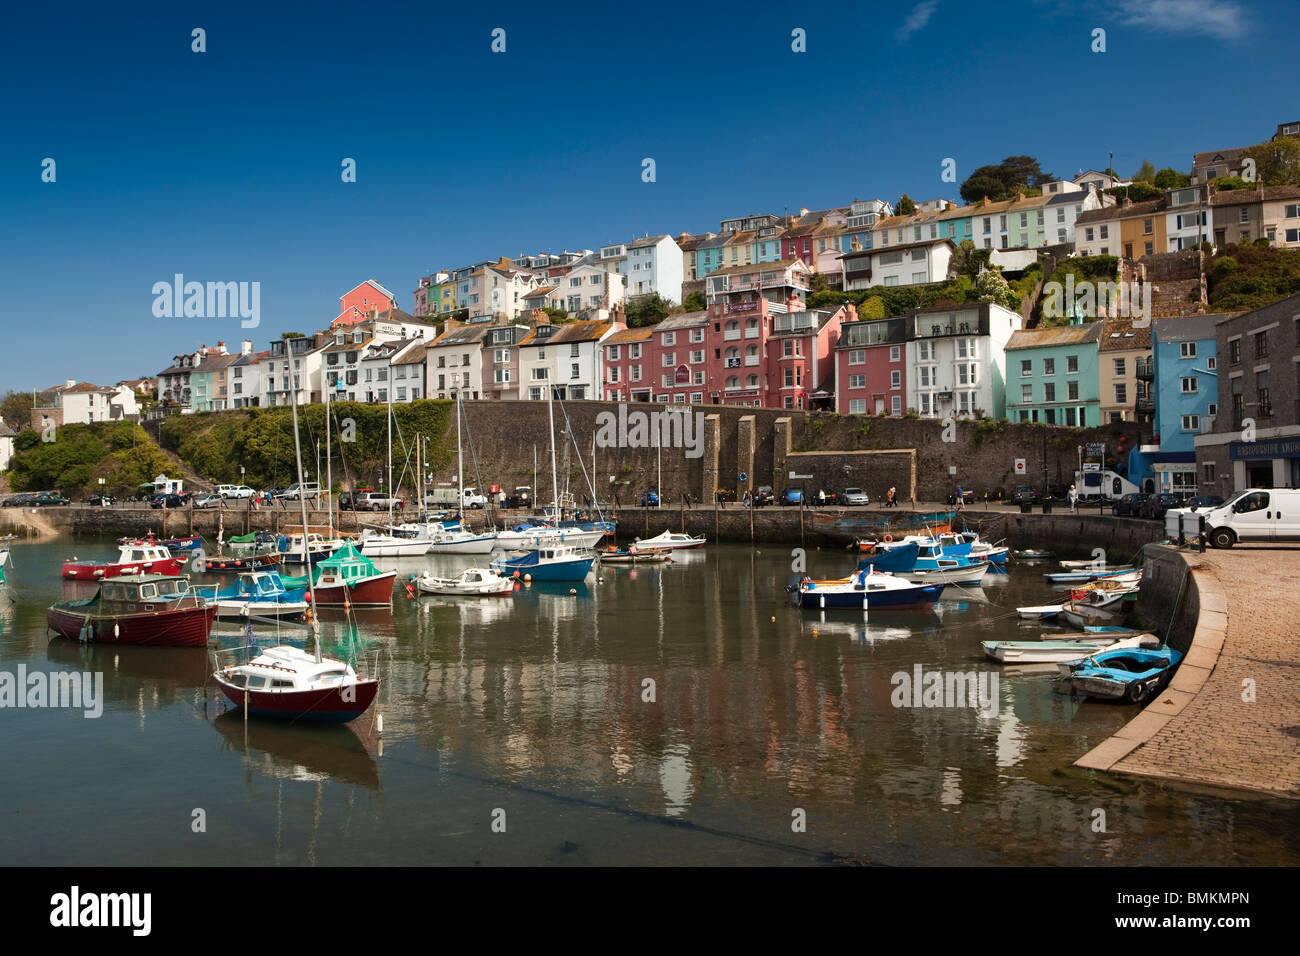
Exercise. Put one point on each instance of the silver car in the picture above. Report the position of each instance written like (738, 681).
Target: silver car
(855, 496)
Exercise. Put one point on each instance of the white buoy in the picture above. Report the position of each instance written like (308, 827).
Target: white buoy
(573, 591)
(380, 723)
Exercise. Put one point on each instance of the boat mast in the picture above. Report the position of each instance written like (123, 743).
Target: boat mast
(302, 504)
(460, 470)
(389, 393)
(329, 465)
(555, 483)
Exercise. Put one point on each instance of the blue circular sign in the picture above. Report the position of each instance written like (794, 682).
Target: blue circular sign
(743, 477)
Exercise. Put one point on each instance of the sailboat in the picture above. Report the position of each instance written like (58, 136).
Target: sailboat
(457, 540)
(549, 560)
(392, 543)
(289, 683)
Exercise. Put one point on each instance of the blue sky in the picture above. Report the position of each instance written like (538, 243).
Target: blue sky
(225, 165)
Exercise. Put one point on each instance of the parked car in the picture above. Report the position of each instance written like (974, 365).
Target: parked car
(348, 499)
(170, 501)
(650, 498)
(522, 497)
(234, 491)
(271, 493)
(1156, 505)
(20, 500)
(854, 496)
(210, 500)
(792, 496)
(831, 498)
(1129, 506)
(376, 501)
(101, 501)
(47, 499)
(307, 489)
(1203, 502)
(1025, 495)
(762, 496)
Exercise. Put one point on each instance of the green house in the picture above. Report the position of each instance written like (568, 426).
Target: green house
(1052, 375)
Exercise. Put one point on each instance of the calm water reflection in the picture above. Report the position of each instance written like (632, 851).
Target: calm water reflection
(677, 714)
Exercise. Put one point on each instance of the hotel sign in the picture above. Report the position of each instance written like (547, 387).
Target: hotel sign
(1280, 448)
(742, 307)
(682, 376)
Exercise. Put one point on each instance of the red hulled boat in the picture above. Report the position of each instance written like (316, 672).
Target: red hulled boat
(291, 684)
(152, 609)
(134, 557)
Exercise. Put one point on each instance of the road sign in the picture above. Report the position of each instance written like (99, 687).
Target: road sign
(1021, 468)
(796, 475)
(1095, 449)
(742, 477)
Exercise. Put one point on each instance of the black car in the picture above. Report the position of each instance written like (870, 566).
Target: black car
(170, 501)
(762, 496)
(49, 499)
(102, 501)
(1129, 506)
(965, 495)
(1025, 495)
(19, 500)
(1156, 505)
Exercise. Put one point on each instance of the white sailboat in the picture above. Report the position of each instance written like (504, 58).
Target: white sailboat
(442, 539)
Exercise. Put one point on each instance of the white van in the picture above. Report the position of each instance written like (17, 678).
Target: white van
(1256, 514)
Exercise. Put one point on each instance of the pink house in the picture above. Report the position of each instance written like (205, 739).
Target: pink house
(871, 368)
(359, 303)
(629, 368)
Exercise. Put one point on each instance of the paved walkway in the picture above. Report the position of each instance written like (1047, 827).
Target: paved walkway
(1200, 730)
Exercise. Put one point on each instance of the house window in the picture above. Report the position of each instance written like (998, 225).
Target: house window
(1234, 352)
(1191, 423)
(857, 406)
(1072, 391)
(634, 350)
(895, 379)
(1072, 364)
(857, 356)
(1026, 368)
(1121, 394)
(1189, 385)
(1049, 366)
(857, 381)
(1207, 472)
(1187, 350)
(1049, 392)
(1120, 367)
(612, 352)
(1026, 394)
(1261, 344)
(895, 353)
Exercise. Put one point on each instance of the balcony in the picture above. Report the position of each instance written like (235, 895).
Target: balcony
(731, 335)
(1144, 406)
(733, 362)
(752, 359)
(752, 333)
(1145, 370)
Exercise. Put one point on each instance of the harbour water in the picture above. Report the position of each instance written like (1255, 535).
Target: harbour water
(683, 714)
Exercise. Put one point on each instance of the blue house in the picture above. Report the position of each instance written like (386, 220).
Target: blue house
(1185, 363)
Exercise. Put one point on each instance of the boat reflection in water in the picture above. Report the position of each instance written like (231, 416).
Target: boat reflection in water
(300, 752)
(874, 627)
(161, 668)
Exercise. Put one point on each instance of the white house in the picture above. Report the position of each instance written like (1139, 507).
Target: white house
(652, 265)
(957, 359)
(914, 263)
(6, 445)
(453, 362)
(569, 357)
(81, 403)
(1065, 205)
(1189, 219)
(295, 359)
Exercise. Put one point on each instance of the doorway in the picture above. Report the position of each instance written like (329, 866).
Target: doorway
(1259, 476)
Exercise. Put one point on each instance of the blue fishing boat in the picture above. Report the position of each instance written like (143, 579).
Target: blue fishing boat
(1133, 674)
(557, 562)
(936, 564)
(257, 594)
(899, 559)
(866, 591)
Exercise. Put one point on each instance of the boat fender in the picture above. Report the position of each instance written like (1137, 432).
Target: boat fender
(117, 629)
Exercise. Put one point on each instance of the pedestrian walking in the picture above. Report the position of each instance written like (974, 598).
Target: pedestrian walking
(1074, 499)
(821, 499)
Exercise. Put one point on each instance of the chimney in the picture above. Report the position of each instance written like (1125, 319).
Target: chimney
(246, 347)
(803, 210)
(71, 382)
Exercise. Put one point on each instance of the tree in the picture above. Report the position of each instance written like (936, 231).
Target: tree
(695, 302)
(647, 310)
(968, 260)
(1169, 178)
(557, 315)
(905, 206)
(1146, 173)
(1138, 191)
(1277, 162)
(16, 410)
(1003, 180)
(991, 287)
(872, 307)
(1229, 183)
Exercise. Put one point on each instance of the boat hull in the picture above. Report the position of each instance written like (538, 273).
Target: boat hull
(91, 571)
(924, 595)
(481, 544)
(187, 627)
(576, 569)
(252, 563)
(375, 591)
(396, 548)
(327, 705)
(973, 574)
